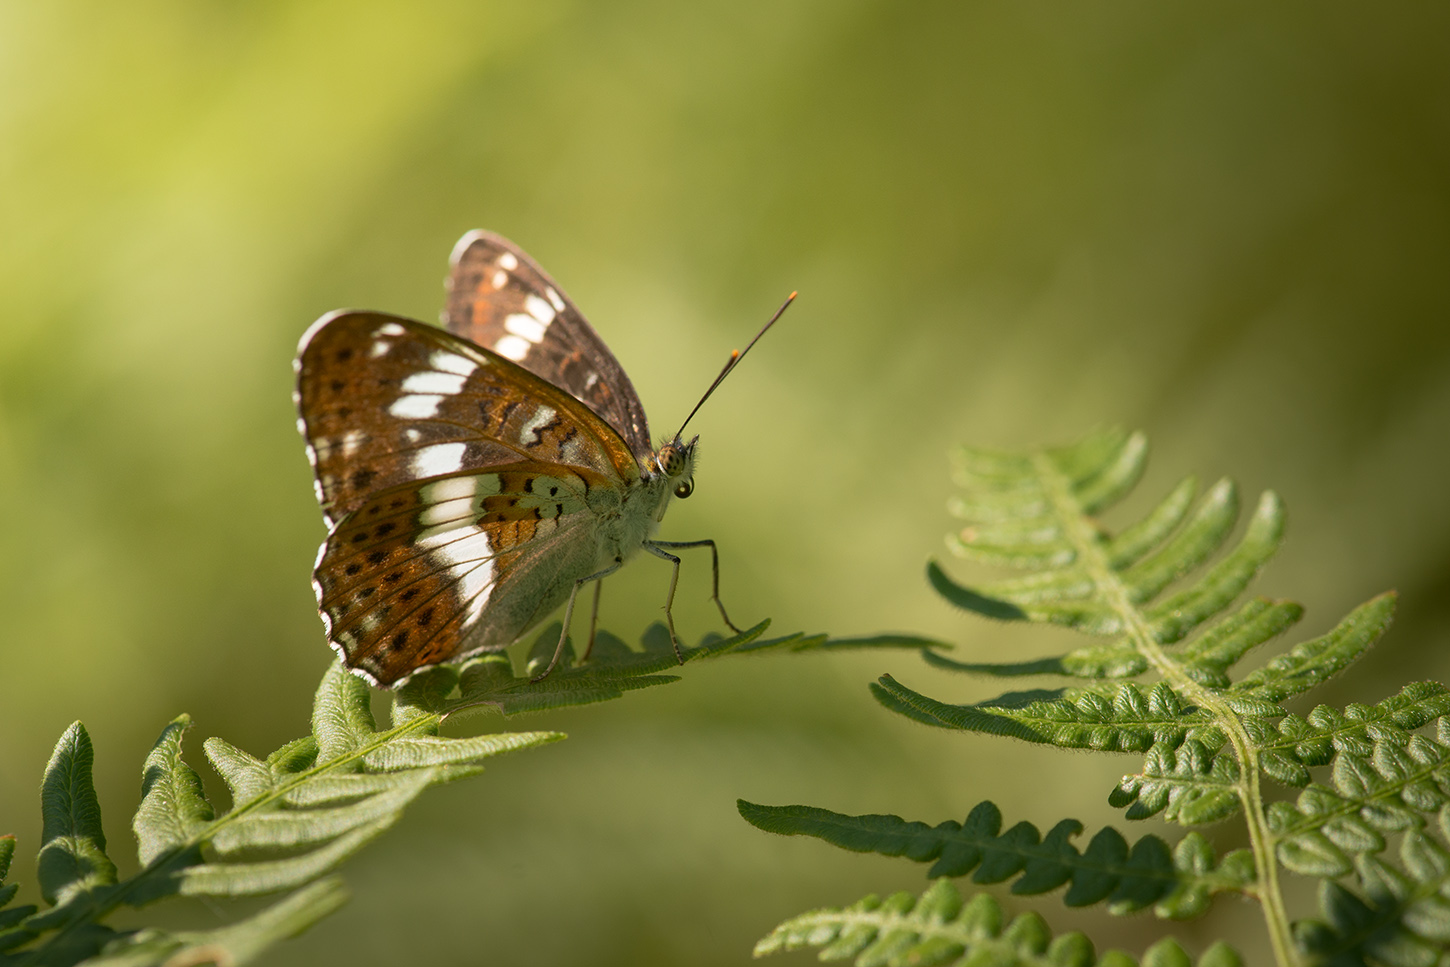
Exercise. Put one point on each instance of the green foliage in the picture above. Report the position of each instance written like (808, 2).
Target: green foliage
(295, 817)
(1370, 820)
(1399, 916)
(1163, 681)
(613, 669)
(298, 813)
(938, 929)
(1176, 883)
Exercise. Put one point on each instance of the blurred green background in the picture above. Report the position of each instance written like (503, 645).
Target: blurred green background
(1227, 224)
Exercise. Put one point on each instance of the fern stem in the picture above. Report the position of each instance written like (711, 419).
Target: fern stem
(1084, 538)
(177, 859)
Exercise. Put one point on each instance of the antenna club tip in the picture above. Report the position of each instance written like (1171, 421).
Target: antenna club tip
(791, 297)
(735, 356)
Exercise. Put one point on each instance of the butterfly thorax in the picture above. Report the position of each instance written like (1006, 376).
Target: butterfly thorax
(668, 473)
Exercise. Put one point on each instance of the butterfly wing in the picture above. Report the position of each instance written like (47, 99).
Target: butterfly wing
(462, 492)
(499, 298)
(432, 571)
(384, 401)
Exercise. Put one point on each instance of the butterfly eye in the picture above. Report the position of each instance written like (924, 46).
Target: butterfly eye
(684, 488)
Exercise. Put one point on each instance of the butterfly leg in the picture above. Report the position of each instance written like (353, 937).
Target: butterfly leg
(593, 620)
(568, 615)
(714, 571)
(657, 551)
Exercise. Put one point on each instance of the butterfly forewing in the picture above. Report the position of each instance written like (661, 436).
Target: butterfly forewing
(499, 298)
(385, 401)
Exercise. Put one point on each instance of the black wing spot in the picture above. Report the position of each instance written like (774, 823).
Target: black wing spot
(410, 594)
(352, 569)
(362, 477)
(425, 616)
(400, 639)
(553, 491)
(396, 502)
(364, 593)
(359, 537)
(386, 528)
(377, 557)
(393, 578)
(344, 354)
(337, 385)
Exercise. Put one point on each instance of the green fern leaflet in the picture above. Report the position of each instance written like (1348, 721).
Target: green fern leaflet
(939, 930)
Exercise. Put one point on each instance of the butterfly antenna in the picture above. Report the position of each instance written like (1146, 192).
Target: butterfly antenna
(735, 356)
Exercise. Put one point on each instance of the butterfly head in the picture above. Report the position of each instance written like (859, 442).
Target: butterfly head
(675, 461)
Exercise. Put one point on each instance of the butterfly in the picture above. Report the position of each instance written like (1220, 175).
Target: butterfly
(474, 478)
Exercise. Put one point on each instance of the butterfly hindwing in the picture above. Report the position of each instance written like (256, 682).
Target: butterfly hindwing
(500, 299)
(435, 570)
(386, 401)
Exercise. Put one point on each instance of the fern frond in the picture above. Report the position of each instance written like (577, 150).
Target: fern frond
(73, 860)
(7, 891)
(289, 830)
(1398, 917)
(1189, 784)
(1316, 739)
(1381, 770)
(1083, 577)
(1122, 719)
(1314, 662)
(1164, 680)
(237, 943)
(613, 668)
(938, 929)
(1177, 882)
(1397, 784)
(11, 932)
(1116, 586)
(295, 816)
(298, 813)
